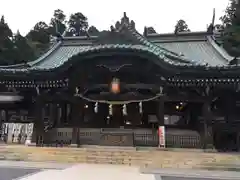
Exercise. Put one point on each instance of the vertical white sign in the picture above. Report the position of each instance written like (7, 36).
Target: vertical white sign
(161, 136)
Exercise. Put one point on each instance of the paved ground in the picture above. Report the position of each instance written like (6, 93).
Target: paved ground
(10, 173)
(191, 174)
(10, 170)
(175, 178)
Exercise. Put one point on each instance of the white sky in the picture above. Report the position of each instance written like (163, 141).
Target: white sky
(161, 14)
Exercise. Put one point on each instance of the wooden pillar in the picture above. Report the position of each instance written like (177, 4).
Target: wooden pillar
(52, 114)
(160, 112)
(76, 118)
(229, 108)
(38, 130)
(208, 132)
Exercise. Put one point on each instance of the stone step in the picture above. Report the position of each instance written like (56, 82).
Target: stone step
(150, 158)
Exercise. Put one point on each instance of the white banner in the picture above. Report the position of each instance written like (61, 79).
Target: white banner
(161, 136)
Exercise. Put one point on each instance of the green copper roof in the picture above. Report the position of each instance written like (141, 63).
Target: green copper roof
(200, 46)
(125, 38)
(62, 54)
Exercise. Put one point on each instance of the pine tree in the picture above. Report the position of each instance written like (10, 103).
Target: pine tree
(23, 50)
(6, 45)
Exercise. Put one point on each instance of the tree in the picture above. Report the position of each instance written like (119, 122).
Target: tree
(78, 23)
(57, 24)
(23, 50)
(39, 33)
(6, 44)
(93, 31)
(5, 31)
(181, 26)
(230, 12)
(231, 25)
(39, 37)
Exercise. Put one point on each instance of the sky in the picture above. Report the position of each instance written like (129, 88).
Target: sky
(22, 15)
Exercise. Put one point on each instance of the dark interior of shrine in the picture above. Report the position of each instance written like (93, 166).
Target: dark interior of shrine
(138, 77)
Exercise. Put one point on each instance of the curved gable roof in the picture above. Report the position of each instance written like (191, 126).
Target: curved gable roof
(199, 54)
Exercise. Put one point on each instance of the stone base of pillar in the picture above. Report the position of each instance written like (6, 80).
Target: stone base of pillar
(207, 140)
(74, 145)
(32, 144)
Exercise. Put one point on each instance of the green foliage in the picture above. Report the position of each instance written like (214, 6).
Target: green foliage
(6, 45)
(16, 49)
(58, 22)
(78, 23)
(23, 51)
(93, 31)
(231, 25)
(181, 26)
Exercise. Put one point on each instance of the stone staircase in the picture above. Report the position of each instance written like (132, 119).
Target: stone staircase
(90, 155)
(141, 157)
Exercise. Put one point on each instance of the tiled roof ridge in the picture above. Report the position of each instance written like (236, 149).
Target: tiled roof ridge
(191, 33)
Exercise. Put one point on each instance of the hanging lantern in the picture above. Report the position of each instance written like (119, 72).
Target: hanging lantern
(96, 107)
(124, 110)
(110, 110)
(115, 86)
(140, 107)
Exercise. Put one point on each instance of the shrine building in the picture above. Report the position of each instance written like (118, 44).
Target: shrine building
(118, 88)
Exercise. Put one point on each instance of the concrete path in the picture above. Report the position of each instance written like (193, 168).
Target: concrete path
(35, 165)
(182, 178)
(190, 173)
(8, 173)
(12, 170)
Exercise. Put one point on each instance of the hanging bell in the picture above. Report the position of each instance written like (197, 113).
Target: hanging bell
(110, 110)
(96, 107)
(124, 110)
(140, 107)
